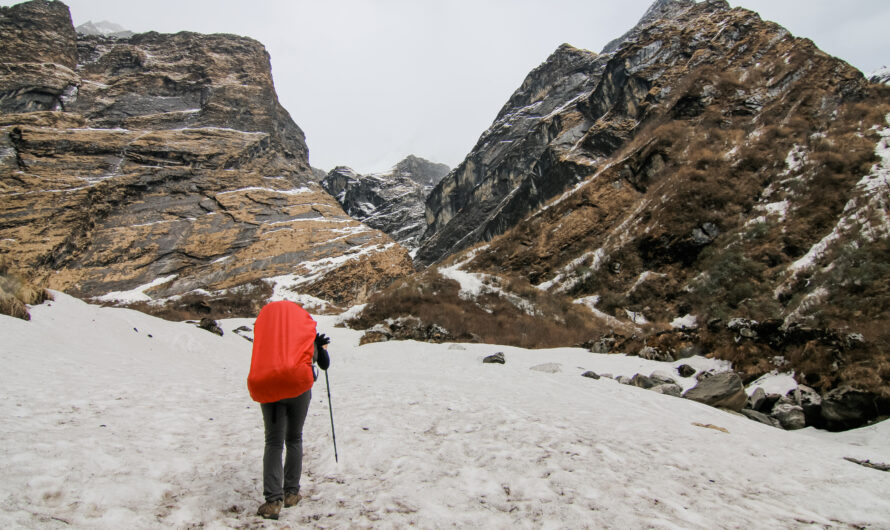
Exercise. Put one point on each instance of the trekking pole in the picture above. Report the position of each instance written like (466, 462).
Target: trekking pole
(331, 410)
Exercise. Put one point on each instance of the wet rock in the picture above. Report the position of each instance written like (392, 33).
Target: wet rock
(496, 358)
(723, 390)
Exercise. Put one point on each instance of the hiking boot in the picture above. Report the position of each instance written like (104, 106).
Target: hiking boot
(270, 510)
(291, 499)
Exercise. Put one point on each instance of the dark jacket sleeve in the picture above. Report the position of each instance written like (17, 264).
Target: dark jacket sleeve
(322, 358)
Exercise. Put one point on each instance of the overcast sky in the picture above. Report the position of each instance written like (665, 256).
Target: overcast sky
(371, 81)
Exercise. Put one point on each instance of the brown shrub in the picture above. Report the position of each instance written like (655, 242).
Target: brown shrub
(524, 316)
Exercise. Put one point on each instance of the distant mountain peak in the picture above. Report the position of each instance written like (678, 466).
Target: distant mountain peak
(104, 28)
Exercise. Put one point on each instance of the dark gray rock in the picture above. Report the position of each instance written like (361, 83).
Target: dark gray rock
(847, 408)
(685, 370)
(723, 390)
(210, 325)
(668, 389)
(496, 358)
(642, 381)
(762, 418)
(590, 374)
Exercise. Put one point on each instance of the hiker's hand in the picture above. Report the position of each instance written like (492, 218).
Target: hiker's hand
(322, 340)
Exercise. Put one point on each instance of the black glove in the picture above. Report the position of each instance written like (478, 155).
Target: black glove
(322, 340)
(322, 357)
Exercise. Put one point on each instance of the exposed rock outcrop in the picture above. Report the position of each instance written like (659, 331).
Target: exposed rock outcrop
(158, 165)
(392, 201)
(709, 164)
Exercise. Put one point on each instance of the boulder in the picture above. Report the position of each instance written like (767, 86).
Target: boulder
(757, 399)
(641, 381)
(496, 358)
(654, 354)
(847, 408)
(590, 374)
(723, 390)
(811, 402)
(669, 389)
(690, 350)
(762, 418)
(685, 370)
(210, 325)
(791, 416)
(662, 378)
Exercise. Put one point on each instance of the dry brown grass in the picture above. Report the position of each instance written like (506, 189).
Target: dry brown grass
(244, 301)
(490, 318)
(16, 293)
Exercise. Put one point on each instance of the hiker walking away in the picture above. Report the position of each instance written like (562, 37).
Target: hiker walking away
(282, 372)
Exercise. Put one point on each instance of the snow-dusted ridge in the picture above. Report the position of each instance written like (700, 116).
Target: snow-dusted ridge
(110, 418)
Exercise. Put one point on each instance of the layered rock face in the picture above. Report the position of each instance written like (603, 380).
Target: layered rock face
(707, 169)
(160, 165)
(393, 201)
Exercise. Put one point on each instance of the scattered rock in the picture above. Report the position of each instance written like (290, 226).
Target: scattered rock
(762, 418)
(550, 368)
(497, 358)
(623, 379)
(685, 370)
(722, 390)
(654, 354)
(456, 346)
(757, 399)
(669, 389)
(590, 374)
(210, 325)
(791, 416)
(662, 378)
(705, 374)
(641, 381)
(811, 403)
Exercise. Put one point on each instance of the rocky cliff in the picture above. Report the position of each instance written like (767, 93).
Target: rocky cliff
(709, 183)
(392, 202)
(156, 166)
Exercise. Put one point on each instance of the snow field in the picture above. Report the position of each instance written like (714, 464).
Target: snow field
(105, 427)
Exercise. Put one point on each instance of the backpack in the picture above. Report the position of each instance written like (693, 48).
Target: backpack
(283, 352)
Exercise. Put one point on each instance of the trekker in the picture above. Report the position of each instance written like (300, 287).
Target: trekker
(285, 348)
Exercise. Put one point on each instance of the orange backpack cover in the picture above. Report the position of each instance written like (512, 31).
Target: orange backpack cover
(283, 344)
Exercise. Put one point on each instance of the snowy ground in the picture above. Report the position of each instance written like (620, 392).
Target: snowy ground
(113, 419)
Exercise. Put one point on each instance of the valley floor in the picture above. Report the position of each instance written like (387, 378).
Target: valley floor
(113, 419)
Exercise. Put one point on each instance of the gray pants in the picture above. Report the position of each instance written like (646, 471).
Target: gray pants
(284, 428)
